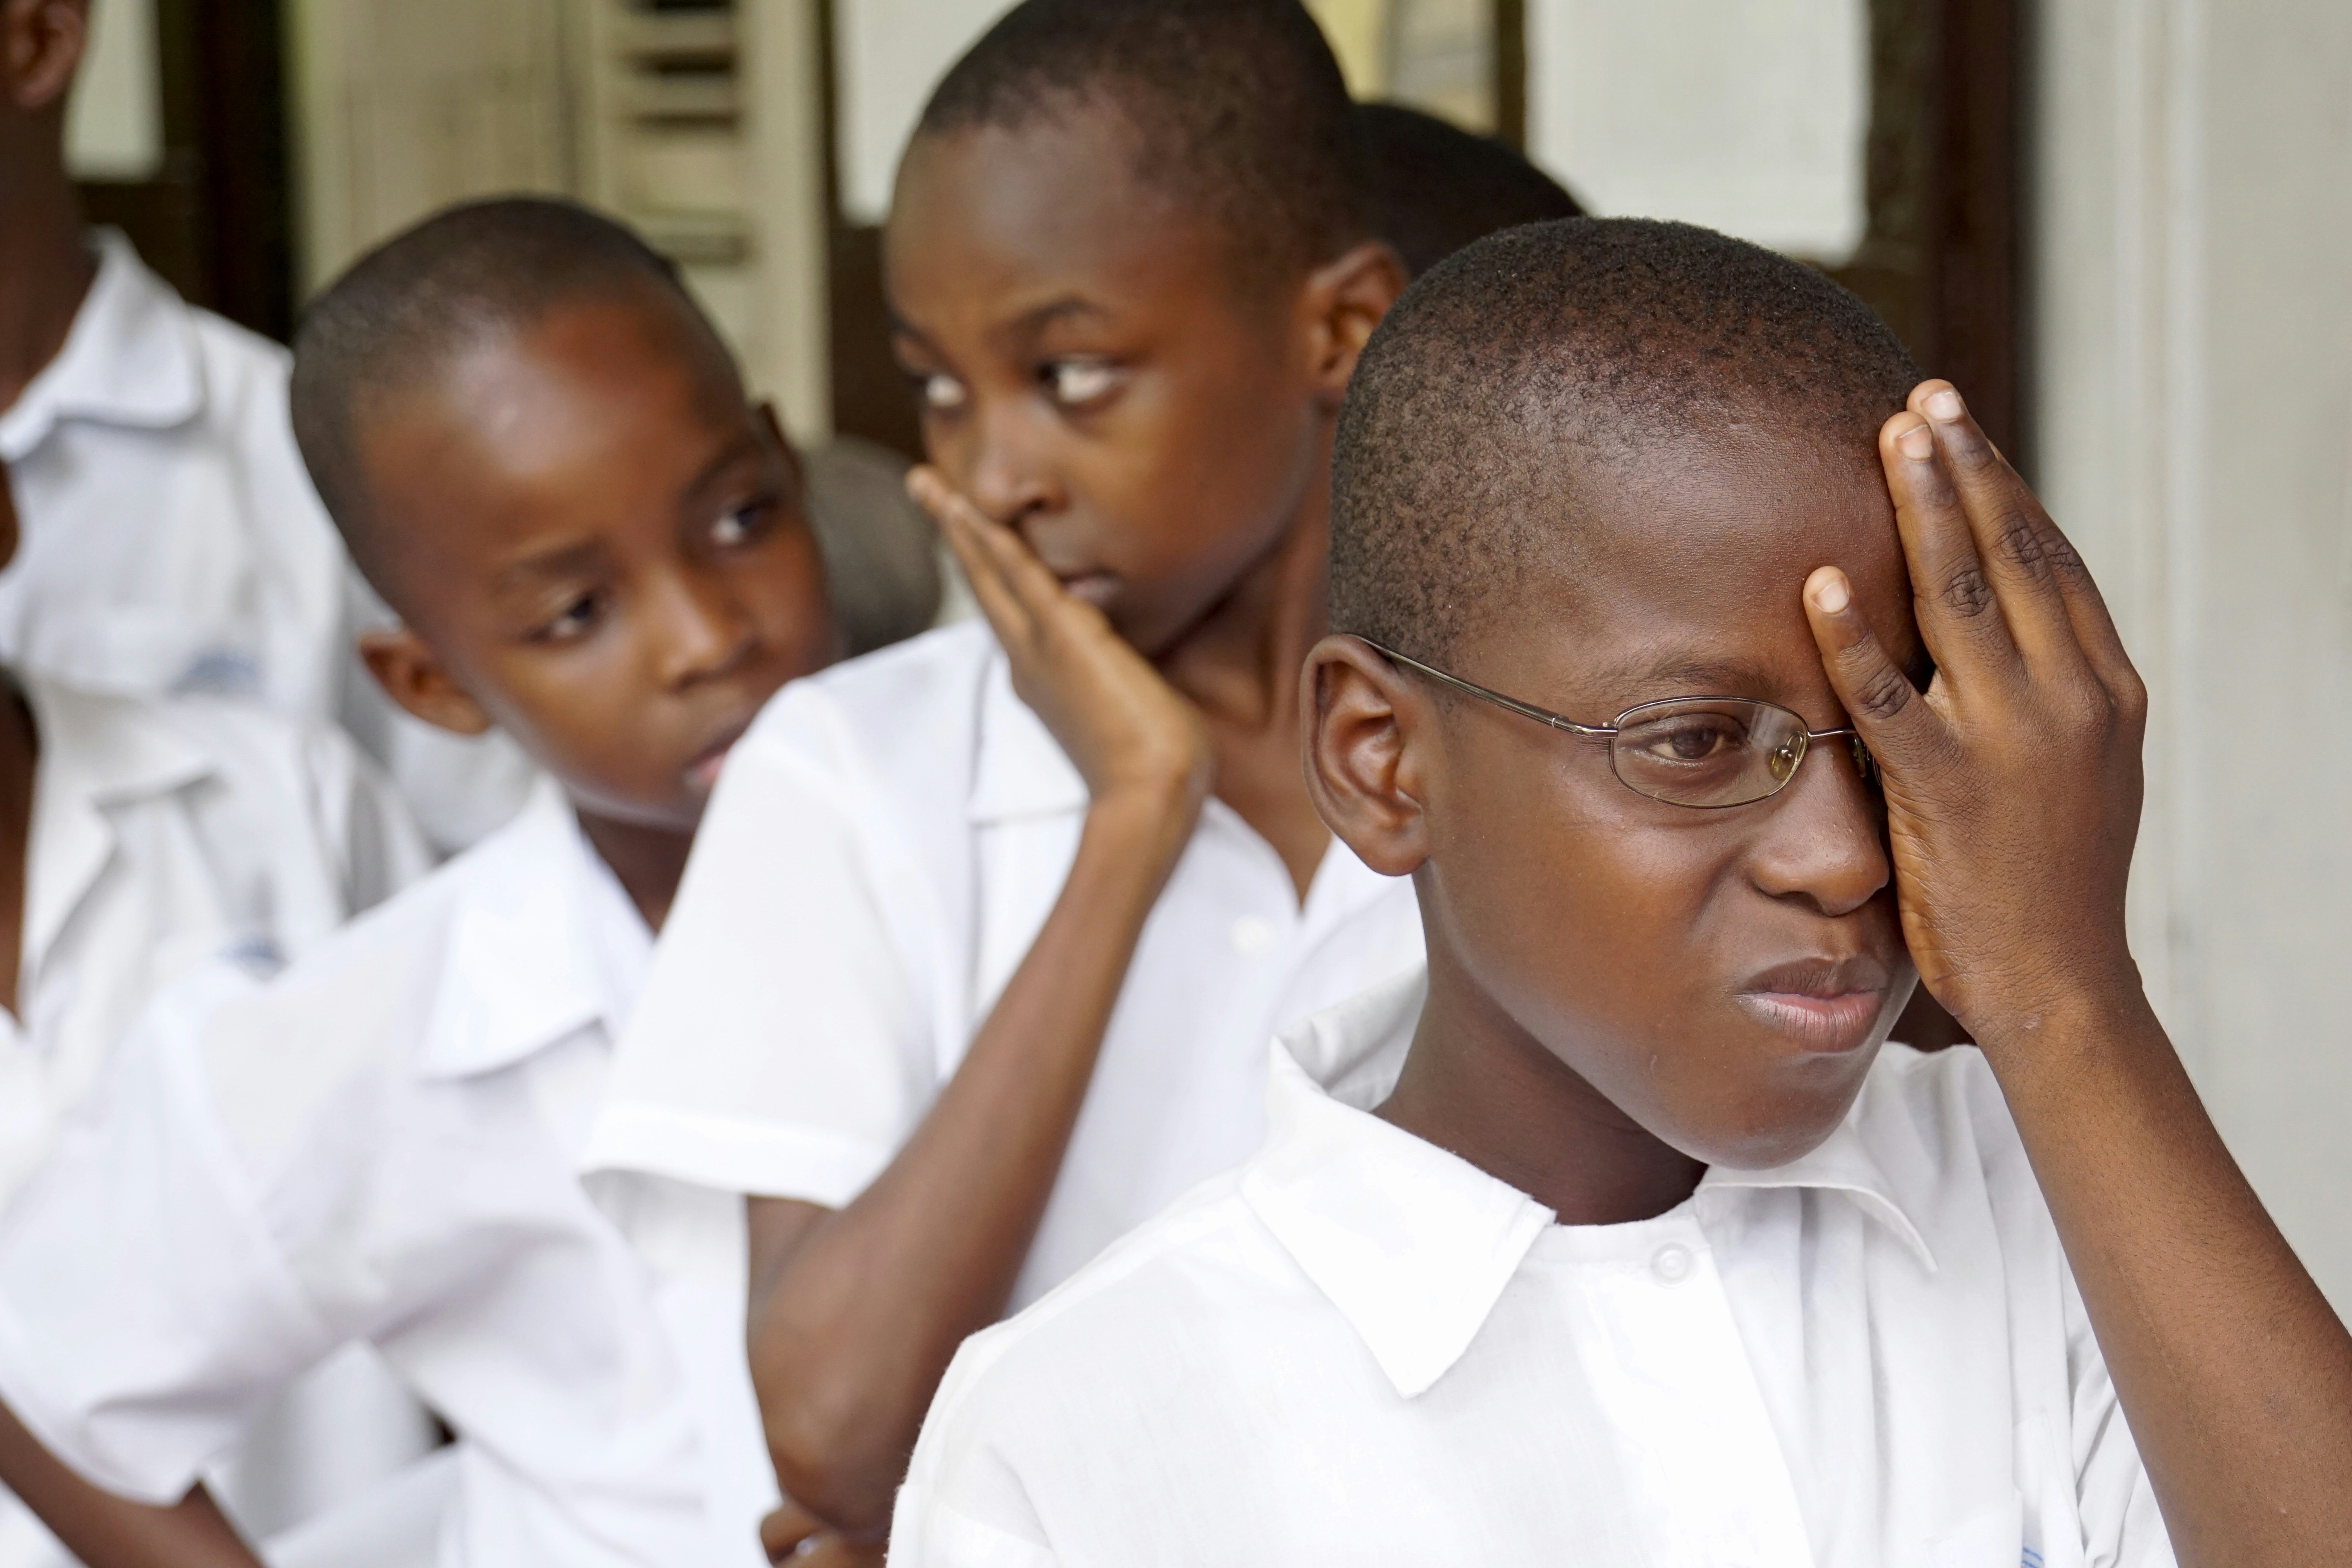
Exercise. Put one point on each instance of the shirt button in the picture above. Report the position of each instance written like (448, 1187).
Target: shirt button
(1672, 1263)
(1251, 935)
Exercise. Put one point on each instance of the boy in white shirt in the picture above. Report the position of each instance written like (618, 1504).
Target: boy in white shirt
(1617, 1237)
(138, 838)
(542, 455)
(977, 954)
(171, 541)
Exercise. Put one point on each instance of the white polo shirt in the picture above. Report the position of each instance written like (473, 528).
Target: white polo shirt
(163, 834)
(171, 541)
(380, 1146)
(878, 858)
(1360, 1349)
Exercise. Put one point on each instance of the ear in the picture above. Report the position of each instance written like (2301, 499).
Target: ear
(1368, 734)
(414, 676)
(1344, 301)
(41, 43)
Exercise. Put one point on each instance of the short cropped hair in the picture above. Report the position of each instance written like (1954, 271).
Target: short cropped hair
(1238, 106)
(1436, 187)
(1580, 343)
(393, 321)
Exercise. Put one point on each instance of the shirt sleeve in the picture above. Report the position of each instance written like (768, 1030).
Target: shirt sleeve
(784, 1045)
(145, 1315)
(962, 1505)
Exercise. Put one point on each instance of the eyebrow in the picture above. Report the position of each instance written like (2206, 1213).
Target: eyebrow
(1028, 324)
(1694, 676)
(564, 561)
(742, 445)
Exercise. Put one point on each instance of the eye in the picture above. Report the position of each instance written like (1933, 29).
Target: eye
(1074, 382)
(941, 392)
(743, 525)
(1690, 738)
(578, 617)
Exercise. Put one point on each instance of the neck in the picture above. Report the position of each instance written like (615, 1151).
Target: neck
(45, 270)
(1480, 1086)
(1240, 662)
(647, 861)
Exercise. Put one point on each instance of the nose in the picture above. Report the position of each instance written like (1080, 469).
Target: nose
(1005, 472)
(700, 630)
(1822, 839)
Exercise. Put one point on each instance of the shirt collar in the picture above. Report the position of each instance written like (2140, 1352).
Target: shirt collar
(131, 358)
(97, 752)
(1414, 1245)
(1021, 771)
(542, 943)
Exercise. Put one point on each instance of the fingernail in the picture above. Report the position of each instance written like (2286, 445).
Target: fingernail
(1829, 591)
(1945, 406)
(1916, 443)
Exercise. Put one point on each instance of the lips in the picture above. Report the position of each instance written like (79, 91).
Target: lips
(703, 771)
(1823, 1004)
(1096, 588)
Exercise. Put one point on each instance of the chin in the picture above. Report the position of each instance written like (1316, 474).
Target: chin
(1788, 1113)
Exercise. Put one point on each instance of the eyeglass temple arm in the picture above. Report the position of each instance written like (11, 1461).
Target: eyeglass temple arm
(1524, 709)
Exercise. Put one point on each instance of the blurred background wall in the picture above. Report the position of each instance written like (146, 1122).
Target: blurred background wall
(2125, 227)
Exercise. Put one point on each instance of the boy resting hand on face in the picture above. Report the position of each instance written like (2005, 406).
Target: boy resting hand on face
(1617, 1237)
(540, 452)
(975, 963)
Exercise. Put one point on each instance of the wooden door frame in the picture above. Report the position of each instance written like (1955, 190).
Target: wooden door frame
(215, 220)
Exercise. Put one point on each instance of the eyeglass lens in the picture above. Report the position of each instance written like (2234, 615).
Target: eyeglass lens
(1708, 751)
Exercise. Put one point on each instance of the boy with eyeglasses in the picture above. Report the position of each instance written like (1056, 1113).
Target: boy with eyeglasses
(1617, 1237)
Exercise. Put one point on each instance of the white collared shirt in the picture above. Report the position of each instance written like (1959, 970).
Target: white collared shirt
(171, 541)
(163, 834)
(1362, 1349)
(381, 1145)
(880, 853)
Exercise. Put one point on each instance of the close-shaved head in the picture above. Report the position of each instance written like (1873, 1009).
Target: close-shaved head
(1557, 348)
(1237, 106)
(471, 276)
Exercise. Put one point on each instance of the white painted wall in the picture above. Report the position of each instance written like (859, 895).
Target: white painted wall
(2192, 263)
(114, 123)
(1747, 116)
(889, 54)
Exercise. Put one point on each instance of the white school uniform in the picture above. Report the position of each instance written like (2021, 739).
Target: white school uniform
(380, 1145)
(163, 834)
(171, 541)
(875, 862)
(1358, 1348)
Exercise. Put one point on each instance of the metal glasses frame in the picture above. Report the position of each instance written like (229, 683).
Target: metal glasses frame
(1609, 731)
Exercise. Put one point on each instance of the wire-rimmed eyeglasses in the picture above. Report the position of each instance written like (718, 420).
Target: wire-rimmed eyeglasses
(1706, 752)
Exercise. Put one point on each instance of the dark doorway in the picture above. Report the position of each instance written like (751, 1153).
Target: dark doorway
(215, 220)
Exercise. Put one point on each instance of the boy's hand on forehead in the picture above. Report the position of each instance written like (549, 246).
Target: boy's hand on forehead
(1130, 735)
(2013, 782)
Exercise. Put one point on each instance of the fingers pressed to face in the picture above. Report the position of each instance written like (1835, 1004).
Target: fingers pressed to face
(1893, 716)
(968, 535)
(2026, 560)
(1958, 612)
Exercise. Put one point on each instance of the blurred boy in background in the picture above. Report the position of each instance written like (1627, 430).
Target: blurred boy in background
(1436, 187)
(540, 452)
(138, 838)
(170, 542)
